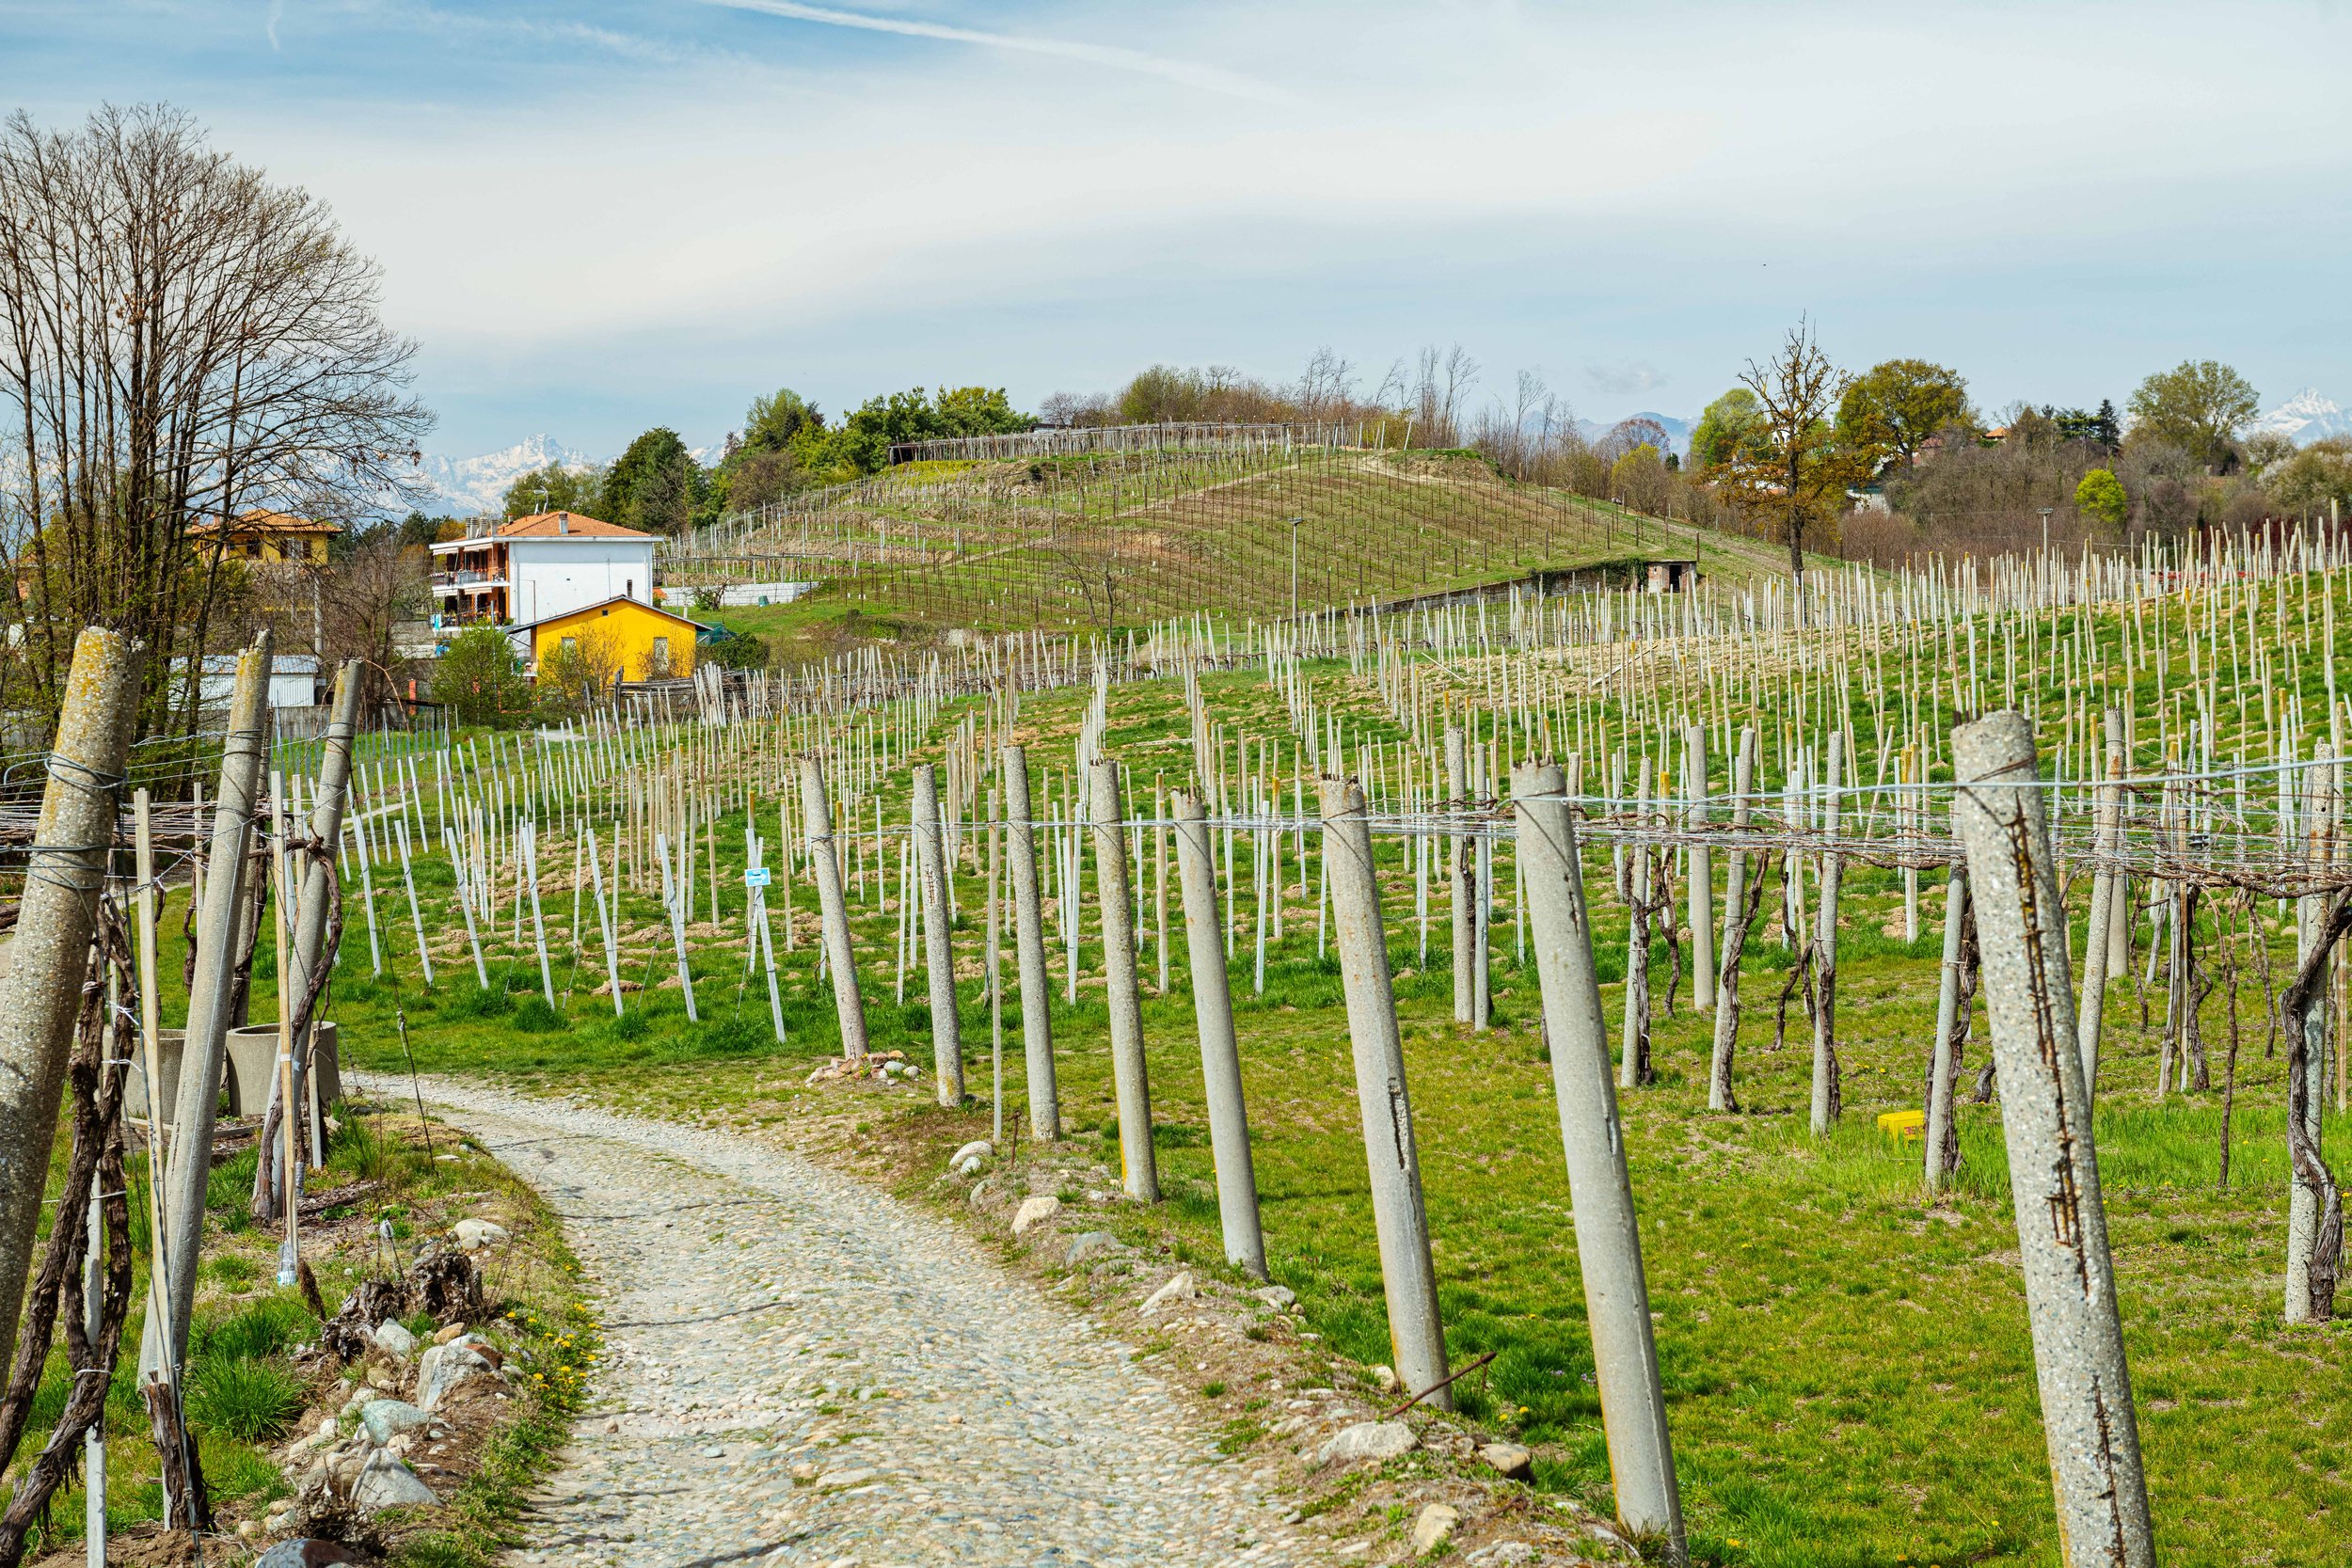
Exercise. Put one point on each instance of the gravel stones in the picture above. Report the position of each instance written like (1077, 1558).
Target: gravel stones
(1375, 1440)
(749, 1298)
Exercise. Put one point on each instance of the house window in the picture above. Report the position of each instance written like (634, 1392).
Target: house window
(571, 644)
(657, 662)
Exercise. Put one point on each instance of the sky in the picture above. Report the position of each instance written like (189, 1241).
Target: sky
(597, 218)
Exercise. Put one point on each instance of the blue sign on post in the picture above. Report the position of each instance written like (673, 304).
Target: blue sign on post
(757, 877)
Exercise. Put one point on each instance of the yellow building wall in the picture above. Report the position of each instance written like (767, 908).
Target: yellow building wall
(620, 637)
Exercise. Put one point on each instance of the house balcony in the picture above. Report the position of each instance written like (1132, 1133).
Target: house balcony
(461, 581)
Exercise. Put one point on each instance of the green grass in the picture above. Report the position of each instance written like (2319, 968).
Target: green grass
(251, 1400)
(1848, 1371)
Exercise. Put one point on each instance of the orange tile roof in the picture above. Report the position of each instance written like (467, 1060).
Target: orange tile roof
(259, 520)
(568, 525)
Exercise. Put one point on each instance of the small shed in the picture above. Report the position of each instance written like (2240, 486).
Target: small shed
(1671, 577)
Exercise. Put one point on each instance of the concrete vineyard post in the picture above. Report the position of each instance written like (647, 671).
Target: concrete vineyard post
(1399, 1216)
(200, 1064)
(1702, 889)
(1940, 1086)
(1463, 877)
(939, 962)
(326, 831)
(1998, 813)
(1220, 1054)
(832, 909)
(41, 998)
(995, 973)
(1827, 1098)
(1738, 916)
(1607, 1231)
(1128, 1073)
(1028, 919)
(2106, 814)
(2306, 1199)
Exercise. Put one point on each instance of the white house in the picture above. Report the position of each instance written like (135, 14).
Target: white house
(535, 567)
(293, 680)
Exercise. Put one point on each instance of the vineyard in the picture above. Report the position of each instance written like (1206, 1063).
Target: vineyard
(1696, 887)
(1250, 523)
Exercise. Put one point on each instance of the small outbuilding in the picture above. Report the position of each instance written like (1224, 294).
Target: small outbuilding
(623, 637)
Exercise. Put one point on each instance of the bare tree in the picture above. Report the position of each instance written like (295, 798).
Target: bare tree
(1326, 387)
(178, 339)
(372, 590)
(1803, 468)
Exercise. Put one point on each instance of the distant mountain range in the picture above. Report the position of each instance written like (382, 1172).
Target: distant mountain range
(2305, 418)
(476, 486)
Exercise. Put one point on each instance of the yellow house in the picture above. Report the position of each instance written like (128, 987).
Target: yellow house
(622, 639)
(270, 538)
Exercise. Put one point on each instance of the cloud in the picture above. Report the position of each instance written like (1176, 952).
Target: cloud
(1630, 379)
(1187, 72)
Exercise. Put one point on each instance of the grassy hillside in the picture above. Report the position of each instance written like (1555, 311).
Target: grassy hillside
(1105, 542)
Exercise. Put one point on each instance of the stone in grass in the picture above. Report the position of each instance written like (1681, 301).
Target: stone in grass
(386, 1482)
(1034, 1213)
(394, 1339)
(473, 1235)
(1090, 1246)
(444, 1367)
(967, 1159)
(1434, 1528)
(1502, 1554)
(306, 1552)
(1374, 1440)
(1280, 1297)
(1509, 1460)
(388, 1418)
(1179, 1289)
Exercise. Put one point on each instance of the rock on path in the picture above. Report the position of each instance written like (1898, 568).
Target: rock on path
(803, 1369)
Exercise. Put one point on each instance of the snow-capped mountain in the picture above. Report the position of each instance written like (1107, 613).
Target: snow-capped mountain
(476, 486)
(2305, 418)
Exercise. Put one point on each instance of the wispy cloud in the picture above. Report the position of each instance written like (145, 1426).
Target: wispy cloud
(1185, 73)
(1628, 380)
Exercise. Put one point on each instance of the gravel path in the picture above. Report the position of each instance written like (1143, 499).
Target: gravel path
(803, 1369)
